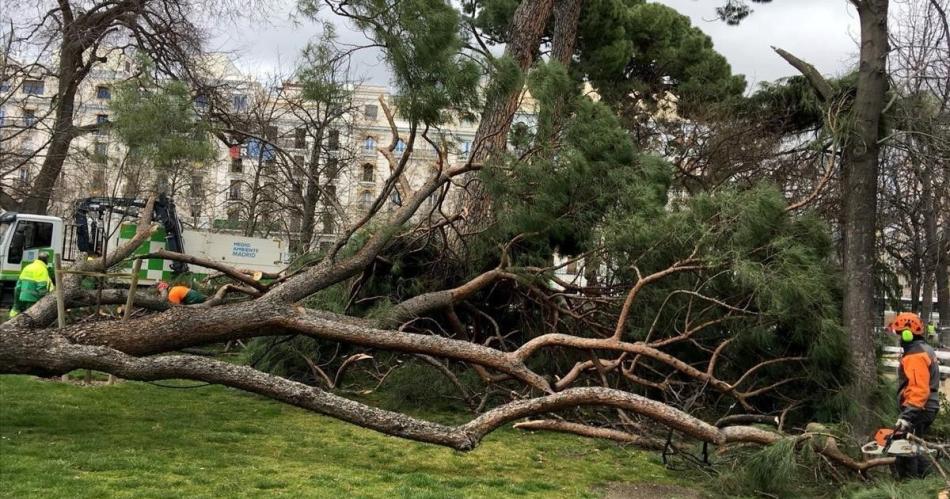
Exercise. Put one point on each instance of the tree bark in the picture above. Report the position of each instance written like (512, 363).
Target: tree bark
(943, 279)
(312, 193)
(527, 26)
(931, 245)
(567, 16)
(38, 197)
(860, 208)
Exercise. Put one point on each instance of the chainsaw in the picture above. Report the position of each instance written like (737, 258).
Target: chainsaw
(888, 443)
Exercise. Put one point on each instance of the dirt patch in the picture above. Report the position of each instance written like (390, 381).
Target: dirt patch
(649, 491)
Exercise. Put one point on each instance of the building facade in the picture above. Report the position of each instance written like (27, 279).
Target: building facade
(273, 149)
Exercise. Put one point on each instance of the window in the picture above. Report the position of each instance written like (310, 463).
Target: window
(128, 66)
(366, 200)
(29, 235)
(326, 219)
(465, 148)
(330, 190)
(237, 166)
(270, 133)
(101, 119)
(5, 86)
(234, 215)
(33, 87)
(103, 92)
(400, 146)
(100, 151)
(23, 175)
(269, 163)
(97, 183)
(332, 169)
(300, 138)
(334, 141)
(369, 145)
(3, 115)
(239, 102)
(196, 186)
(370, 111)
(29, 117)
(298, 162)
(234, 191)
(368, 173)
(161, 182)
(571, 267)
(395, 198)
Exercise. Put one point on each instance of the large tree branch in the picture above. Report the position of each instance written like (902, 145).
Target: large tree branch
(227, 270)
(328, 273)
(818, 82)
(426, 302)
(645, 442)
(28, 352)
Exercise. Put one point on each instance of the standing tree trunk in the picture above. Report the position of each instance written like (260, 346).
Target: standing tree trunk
(524, 38)
(860, 207)
(567, 16)
(62, 133)
(942, 276)
(931, 244)
(312, 193)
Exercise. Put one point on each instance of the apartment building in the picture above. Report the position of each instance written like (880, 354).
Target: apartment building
(258, 177)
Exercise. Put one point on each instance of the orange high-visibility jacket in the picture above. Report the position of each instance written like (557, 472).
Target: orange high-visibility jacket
(918, 380)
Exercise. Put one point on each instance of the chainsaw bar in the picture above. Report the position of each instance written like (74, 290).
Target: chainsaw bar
(899, 447)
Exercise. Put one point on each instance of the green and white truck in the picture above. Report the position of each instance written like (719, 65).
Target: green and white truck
(102, 224)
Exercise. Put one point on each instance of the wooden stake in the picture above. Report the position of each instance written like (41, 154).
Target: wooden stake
(130, 300)
(60, 299)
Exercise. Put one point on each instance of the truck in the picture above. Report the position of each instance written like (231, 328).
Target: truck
(101, 224)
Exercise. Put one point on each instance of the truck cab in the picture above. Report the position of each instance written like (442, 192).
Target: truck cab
(22, 238)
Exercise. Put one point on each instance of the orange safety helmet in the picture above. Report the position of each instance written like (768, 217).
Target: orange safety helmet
(907, 321)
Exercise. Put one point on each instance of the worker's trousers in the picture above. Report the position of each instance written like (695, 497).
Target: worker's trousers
(916, 466)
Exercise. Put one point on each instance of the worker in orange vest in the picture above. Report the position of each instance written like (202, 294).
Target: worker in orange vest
(180, 295)
(918, 381)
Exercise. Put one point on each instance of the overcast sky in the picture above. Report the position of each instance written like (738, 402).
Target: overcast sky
(822, 32)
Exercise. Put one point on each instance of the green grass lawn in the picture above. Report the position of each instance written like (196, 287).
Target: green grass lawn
(138, 440)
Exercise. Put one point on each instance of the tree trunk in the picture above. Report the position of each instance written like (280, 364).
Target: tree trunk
(525, 32)
(931, 245)
(312, 194)
(942, 276)
(527, 26)
(38, 198)
(860, 208)
(915, 293)
(567, 15)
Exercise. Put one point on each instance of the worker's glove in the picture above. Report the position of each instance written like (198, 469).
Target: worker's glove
(903, 426)
(162, 285)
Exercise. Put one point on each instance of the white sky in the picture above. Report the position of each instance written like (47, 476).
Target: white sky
(822, 32)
